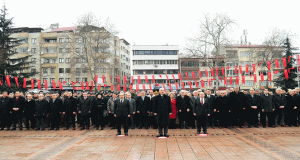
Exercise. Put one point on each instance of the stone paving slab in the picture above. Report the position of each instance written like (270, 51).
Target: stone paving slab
(225, 143)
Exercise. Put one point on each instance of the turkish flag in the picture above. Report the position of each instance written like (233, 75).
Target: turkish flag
(103, 78)
(208, 82)
(46, 85)
(99, 87)
(247, 69)
(54, 85)
(206, 72)
(217, 70)
(163, 86)
(146, 78)
(124, 87)
(284, 62)
(286, 74)
(8, 81)
(262, 77)
(255, 78)
(182, 83)
(137, 87)
(17, 81)
(112, 87)
(153, 78)
(60, 85)
(223, 71)
(82, 85)
(298, 59)
(104, 85)
(130, 87)
(230, 81)
(39, 84)
(24, 83)
(118, 79)
(139, 79)
(32, 83)
(132, 80)
(243, 79)
(92, 84)
(144, 87)
(236, 70)
(269, 65)
(173, 77)
(125, 79)
(270, 76)
(253, 66)
(276, 63)
(200, 75)
(241, 69)
(237, 80)
(150, 86)
(225, 81)
(212, 72)
(193, 74)
(87, 85)
(187, 76)
(202, 83)
(176, 85)
(118, 88)
(190, 83)
(0, 82)
(196, 84)
(179, 75)
(170, 86)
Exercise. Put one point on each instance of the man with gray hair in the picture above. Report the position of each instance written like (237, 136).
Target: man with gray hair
(122, 113)
(40, 112)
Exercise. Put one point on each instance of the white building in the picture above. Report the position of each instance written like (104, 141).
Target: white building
(158, 60)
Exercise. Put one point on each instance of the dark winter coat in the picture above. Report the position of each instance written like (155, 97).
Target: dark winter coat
(162, 106)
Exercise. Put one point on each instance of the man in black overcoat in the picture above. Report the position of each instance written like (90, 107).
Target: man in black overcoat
(5, 111)
(223, 108)
(162, 109)
(267, 109)
(143, 109)
(184, 106)
(122, 113)
(290, 117)
(253, 106)
(17, 110)
(40, 112)
(54, 109)
(279, 104)
(29, 110)
(236, 101)
(202, 111)
(211, 119)
(69, 111)
(84, 108)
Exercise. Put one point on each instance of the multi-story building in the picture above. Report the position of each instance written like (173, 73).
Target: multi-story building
(159, 61)
(65, 54)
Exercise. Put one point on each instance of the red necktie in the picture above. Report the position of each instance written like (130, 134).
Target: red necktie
(202, 102)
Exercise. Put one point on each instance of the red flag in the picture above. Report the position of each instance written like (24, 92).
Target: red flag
(208, 80)
(199, 72)
(153, 79)
(269, 65)
(104, 85)
(173, 77)
(255, 78)
(150, 86)
(190, 84)
(250, 75)
(284, 62)
(16, 80)
(289, 59)
(0, 82)
(54, 85)
(163, 86)
(193, 74)
(64, 82)
(237, 80)
(103, 78)
(24, 82)
(182, 83)
(243, 79)
(118, 79)
(8, 81)
(46, 85)
(60, 85)
(217, 71)
(132, 80)
(241, 69)
(146, 78)
(202, 83)
(236, 71)
(139, 79)
(270, 76)
(196, 84)
(262, 77)
(220, 78)
(99, 87)
(223, 71)
(187, 76)
(110, 78)
(206, 72)
(125, 79)
(87, 85)
(230, 81)
(160, 76)
(289, 70)
(39, 84)
(124, 87)
(276, 63)
(170, 86)
(144, 87)
(212, 72)
(118, 88)
(247, 69)
(157, 84)
(176, 85)
(179, 75)
(167, 78)
(96, 78)
(286, 74)
(112, 87)
(253, 66)
(298, 59)
(82, 86)
(32, 83)
(130, 87)
(92, 84)
(259, 64)
(225, 81)
(137, 87)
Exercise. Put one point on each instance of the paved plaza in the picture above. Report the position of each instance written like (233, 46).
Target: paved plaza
(239, 143)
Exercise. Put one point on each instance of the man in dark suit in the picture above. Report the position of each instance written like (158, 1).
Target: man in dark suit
(211, 118)
(17, 110)
(253, 106)
(122, 113)
(29, 110)
(279, 104)
(267, 109)
(162, 109)
(70, 109)
(54, 109)
(236, 101)
(84, 108)
(40, 112)
(143, 109)
(223, 109)
(5, 111)
(132, 103)
(202, 111)
(183, 104)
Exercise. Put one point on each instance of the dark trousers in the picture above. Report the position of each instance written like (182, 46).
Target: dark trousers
(239, 117)
(40, 122)
(17, 119)
(69, 116)
(212, 120)
(131, 123)
(5, 121)
(291, 117)
(85, 121)
(271, 118)
(32, 121)
(280, 116)
(224, 118)
(143, 121)
(54, 121)
(99, 120)
(190, 120)
(112, 120)
(122, 120)
(202, 122)
(172, 123)
(160, 127)
(252, 119)
(182, 120)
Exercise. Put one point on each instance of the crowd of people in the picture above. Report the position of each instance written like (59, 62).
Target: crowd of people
(162, 109)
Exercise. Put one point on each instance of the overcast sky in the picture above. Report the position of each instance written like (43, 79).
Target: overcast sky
(158, 22)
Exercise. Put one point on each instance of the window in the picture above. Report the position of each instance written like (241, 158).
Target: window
(68, 60)
(68, 40)
(84, 79)
(33, 50)
(61, 70)
(246, 54)
(60, 40)
(78, 50)
(33, 70)
(68, 80)
(33, 40)
(45, 70)
(49, 50)
(22, 50)
(60, 50)
(52, 79)
(84, 70)
(77, 79)
(67, 50)
(50, 40)
(68, 70)
(44, 80)
(52, 70)
(78, 40)
(78, 70)
(61, 79)
(33, 60)
(61, 60)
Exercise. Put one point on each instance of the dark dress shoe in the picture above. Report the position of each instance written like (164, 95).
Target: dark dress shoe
(198, 132)
(186, 127)
(82, 128)
(56, 129)
(241, 126)
(74, 128)
(2, 129)
(166, 135)
(37, 129)
(132, 127)
(13, 129)
(97, 128)
(126, 134)
(66, 128)
(87, 128)
(101, 128)
(7, 129)
(160, 135)
(205, 133)
(118, 134)
(213, 127)
(51, 129)
(264, 127)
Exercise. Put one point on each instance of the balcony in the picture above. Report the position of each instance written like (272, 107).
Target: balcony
(49, 65)
(45, 55)
(49, 35)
